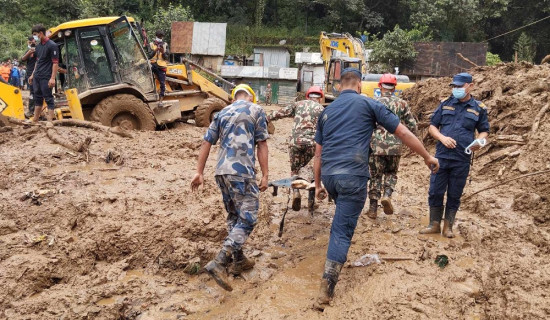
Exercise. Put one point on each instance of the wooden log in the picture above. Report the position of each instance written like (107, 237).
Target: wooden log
(92, 125)
(466, 59)
(83, 146)
(539, 116)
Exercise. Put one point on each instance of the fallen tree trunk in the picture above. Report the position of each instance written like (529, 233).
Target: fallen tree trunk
(56, 138)
(76, 123)
(92, 125)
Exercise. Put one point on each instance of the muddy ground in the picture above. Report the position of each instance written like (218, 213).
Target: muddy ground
(102, 240)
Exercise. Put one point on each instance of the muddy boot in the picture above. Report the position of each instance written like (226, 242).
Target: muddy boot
(448, 223)
(435, 221)
(373, 208)
(296, 200)
(328, 283)
(240, 263)
(386, 201)
(217, 269)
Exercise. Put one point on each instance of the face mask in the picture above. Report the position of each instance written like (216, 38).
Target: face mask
(36, 38)
(459, 93)
(158, 39)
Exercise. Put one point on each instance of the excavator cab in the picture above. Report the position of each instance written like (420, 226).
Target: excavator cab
(332, 82)
(106, 62)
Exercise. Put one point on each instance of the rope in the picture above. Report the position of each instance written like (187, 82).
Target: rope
(525, 26)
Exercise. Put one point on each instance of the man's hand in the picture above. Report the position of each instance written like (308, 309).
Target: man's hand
(196, 182)
(30, 79)
(432, 163)
(263, 184)
(320, 192)
(51, 83)
(448, 142)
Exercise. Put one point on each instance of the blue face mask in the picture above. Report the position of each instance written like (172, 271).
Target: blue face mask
(459, 93)
(36, 38)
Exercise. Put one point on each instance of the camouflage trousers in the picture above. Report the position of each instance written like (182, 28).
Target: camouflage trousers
(383, 174)
(241, 198)
(300, 156)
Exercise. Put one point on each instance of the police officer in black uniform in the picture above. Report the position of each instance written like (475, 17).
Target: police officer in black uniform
(453, 125)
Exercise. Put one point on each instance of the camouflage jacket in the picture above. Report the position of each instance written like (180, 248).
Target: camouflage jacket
(384, 143)
(305, 113)
(238, 127)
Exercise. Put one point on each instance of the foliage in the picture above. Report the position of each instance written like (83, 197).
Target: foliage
(525, 48)
(396, 48)
(492, 59)
(441, 20)
(163, 18)
(242, 39)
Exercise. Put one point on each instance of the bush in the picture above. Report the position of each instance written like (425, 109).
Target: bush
(492, 59)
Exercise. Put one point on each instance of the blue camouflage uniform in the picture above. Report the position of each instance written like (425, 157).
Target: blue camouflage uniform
(457, 120)
(238, 127)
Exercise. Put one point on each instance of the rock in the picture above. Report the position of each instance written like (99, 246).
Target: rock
(522, 165)
(7, 227)
(256, 253)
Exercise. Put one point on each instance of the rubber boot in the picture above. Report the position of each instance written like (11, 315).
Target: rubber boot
(386, 201)
(296, 200)
(217, 269)
(240, 263)
(328, 283)
(373, 208)
(435, 221)
(448, 222)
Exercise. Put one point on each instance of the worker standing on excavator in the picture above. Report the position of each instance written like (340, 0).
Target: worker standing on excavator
(159, 57)
(239, 128)
(453, 125)
(302, 144)
(387, 148)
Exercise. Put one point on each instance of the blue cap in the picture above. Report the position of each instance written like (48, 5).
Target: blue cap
(348, 70)
(461, 78)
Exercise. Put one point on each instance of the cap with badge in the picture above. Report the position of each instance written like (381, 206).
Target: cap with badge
(461, 78)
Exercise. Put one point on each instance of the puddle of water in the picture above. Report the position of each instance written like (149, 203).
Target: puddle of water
(106, 301)
(133, 274)
(466, 262)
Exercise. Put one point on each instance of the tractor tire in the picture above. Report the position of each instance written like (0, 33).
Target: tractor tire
(125, 111)
(206, 110)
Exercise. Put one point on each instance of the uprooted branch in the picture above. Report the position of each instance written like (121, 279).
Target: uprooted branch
(494, 185)
(92, 125)
(76, 123)
(56, 138)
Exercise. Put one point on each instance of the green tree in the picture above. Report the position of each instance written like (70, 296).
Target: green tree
(526, 48)
(492, 59)
(396, 48)
(163, 18)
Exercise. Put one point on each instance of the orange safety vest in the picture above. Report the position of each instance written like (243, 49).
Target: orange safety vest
(157, 58)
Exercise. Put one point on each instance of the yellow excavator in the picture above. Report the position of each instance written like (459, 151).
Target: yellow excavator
(109, 74)
(340, 51)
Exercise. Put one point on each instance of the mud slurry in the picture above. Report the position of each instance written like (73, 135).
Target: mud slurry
(120, 241)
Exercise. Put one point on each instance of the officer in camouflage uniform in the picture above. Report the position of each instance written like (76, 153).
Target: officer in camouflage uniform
(239, 127)
(387, 148)
(302, 145)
